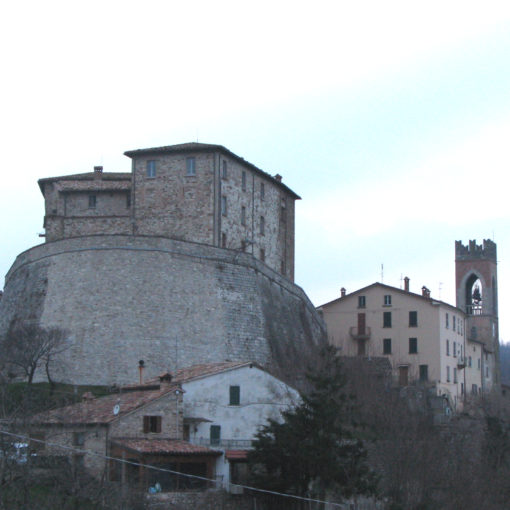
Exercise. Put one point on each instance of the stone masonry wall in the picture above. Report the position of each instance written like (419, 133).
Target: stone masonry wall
(173, 304)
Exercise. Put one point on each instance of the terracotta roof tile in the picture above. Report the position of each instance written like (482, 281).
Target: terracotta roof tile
(202, 370)
(100, 410)
(163, 446)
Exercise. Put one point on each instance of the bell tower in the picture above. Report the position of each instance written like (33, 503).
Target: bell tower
(477, 295)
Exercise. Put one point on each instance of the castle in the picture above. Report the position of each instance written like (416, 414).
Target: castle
(187, 259)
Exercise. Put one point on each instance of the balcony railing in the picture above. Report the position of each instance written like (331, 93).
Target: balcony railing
(474, 310)
(360, 333)
(461, 362)
(223, 443)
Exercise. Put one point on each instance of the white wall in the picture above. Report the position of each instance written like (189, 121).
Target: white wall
(262, 396)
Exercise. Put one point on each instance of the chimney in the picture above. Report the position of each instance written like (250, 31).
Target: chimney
(406, 284)
(141, 364)
(165, 380)
(342, 292)
(425, 292)
(98, 172)
(278, 177)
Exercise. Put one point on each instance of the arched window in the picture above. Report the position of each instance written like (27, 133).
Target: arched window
(474, 295)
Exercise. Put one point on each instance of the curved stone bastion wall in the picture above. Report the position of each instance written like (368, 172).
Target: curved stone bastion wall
(171, 303)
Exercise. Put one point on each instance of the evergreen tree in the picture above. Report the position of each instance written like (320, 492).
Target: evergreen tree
(314, 450)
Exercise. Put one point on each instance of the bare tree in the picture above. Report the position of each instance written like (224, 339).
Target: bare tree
(26, 346)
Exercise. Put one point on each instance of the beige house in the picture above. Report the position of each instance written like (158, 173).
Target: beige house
(423, 338)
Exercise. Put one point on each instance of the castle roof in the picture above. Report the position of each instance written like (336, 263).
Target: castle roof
(208, 147)
(87, 176)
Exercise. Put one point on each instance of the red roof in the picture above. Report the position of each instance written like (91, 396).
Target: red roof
(236, 454)
(164, 447)
(101, 410)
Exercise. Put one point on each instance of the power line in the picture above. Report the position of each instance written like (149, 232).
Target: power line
(164, 470)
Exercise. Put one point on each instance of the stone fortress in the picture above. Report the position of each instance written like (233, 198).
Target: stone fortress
(187, 259)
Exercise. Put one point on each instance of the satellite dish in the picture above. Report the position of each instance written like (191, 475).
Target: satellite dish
(116, 409)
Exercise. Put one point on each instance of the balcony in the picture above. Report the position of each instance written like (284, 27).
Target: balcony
(461, 362)
(474, 309)
(230, 444)
(360, 333)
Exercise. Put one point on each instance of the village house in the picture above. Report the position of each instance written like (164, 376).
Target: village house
(200, 423)
(423, 338)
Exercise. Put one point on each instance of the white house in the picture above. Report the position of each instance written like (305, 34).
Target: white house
(225, 404)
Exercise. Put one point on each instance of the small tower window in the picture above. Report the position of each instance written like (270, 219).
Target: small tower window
(92, 201)
(243, 180)
(190, 166)
(151, 169)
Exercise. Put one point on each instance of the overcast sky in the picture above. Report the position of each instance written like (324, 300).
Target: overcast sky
(390, 119)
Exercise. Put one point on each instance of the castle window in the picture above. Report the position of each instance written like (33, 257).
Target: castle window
(262, 191)
(223, 240)
(470, 362)
(424, 373)
(92, 201)
(235, 395)
(386, 345)
(243, 180)
(453, 322)
(224, 170)
(454, 349)
(151, 424)
(190, 166)
(243, 215)
(386, 319)
(262, 225)
(447, 374)
(223, 205)
(387, 300)
(362, 301)
(478, 363)
(151, 169)
(413, 319)
(262, 254)
(413, 346)
(447, 321)
(128, 200)
(455, 375)
(447, 347)
(215, 435)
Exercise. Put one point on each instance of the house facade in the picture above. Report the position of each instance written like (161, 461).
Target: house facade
(193, 192)
(424, 339)
(200, 422)
(225, 404)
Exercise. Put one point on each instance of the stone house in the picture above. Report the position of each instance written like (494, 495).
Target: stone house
(194, 192)
(141, 424)
(423, 338)
(200, 422)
